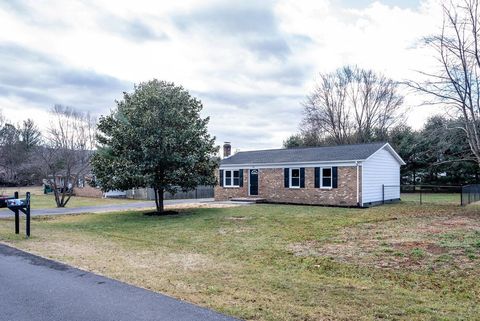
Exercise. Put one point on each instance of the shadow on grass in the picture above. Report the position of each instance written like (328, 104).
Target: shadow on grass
(164, 213)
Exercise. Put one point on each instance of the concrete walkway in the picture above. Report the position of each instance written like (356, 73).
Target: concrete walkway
(36, 289)
(105, 208)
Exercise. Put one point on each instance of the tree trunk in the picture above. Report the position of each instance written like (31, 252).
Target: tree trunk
(54, 186)
(159, 199)
(155, 191)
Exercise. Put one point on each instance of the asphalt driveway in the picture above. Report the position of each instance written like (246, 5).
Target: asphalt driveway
(36, 289)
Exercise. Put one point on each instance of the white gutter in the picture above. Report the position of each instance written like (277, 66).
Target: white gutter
(358, 183)
(291, 164)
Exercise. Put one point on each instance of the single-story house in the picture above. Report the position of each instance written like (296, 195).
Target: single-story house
(348, 175)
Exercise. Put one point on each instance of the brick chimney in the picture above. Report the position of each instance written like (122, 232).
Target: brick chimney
(227, 149)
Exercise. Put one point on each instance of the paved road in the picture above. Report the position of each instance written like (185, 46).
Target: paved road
(104, 208)
(36, 289)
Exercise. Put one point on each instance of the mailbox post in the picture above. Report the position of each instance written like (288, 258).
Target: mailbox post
(17, 205)
(17, 216)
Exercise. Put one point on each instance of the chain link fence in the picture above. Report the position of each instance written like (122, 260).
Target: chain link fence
(426, 194)
(470, 194)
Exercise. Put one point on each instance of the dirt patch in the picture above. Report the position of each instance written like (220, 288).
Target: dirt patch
(425, 246)
(238, 218)
(200, 205)
(412, 243)
(190, 261)
(237, 230)
(309, 248)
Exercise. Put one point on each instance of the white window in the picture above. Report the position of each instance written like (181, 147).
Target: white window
(326, 177)
(232, 178)
(294, 177)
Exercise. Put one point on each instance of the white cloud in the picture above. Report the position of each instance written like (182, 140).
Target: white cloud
(250, 62)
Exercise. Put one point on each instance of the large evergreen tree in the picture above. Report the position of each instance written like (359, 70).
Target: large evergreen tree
(155, 138)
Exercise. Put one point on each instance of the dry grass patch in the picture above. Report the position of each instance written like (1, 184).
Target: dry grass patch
(415, 243)
(199, 205)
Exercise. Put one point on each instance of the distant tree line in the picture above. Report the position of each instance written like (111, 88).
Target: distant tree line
(18, 146)
(437, 154)
(352, 105)
(59, 156)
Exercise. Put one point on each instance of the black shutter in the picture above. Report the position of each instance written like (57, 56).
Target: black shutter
(240, 177)
(221, 177)
(302, 177)
(286, 177)
(317, 177)
(334, 177)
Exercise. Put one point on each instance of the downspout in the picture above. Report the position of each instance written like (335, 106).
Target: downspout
(358, 184)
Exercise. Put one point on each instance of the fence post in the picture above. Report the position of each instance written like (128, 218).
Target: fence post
(461, 196)
(420, 196)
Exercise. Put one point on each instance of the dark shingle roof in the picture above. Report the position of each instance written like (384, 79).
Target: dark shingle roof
(312, 154)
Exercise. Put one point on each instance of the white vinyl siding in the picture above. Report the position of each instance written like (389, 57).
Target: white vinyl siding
(380, 169)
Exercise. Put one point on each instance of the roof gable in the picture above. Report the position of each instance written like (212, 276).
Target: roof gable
(392, 151)
(340, 153)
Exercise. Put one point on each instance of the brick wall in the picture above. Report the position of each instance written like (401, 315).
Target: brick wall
(271, 187)
(87, 191)
(226, 193)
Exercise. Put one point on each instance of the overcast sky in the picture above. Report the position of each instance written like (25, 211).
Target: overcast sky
(250, 62)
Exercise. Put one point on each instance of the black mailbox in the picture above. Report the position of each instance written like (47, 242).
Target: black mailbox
(17, 205)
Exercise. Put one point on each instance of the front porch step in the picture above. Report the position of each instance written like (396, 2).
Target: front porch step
(249, 199)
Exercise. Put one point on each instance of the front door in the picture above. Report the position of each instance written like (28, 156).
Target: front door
(253, 182)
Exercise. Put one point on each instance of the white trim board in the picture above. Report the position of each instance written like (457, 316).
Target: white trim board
(288, 165)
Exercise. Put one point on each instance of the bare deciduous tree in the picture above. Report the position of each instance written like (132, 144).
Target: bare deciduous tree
(456, 82)
(351, 105)
(69, 145)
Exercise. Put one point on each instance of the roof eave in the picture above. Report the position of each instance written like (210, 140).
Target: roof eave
(350, 161)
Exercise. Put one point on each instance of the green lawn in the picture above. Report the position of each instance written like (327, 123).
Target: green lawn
(41, 201)
(277, 262)
(48, 201)
(434, 198)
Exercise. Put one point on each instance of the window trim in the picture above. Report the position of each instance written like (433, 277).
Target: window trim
(331, 178)
(291, 176)
(232, 179)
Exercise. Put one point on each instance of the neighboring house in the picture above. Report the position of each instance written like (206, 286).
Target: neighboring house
(81, 186)
(84, 189)
(347, 175)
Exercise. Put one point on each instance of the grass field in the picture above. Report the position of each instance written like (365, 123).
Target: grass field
(277, 262)
(41, 201)
(34, 190)
(434, 198)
